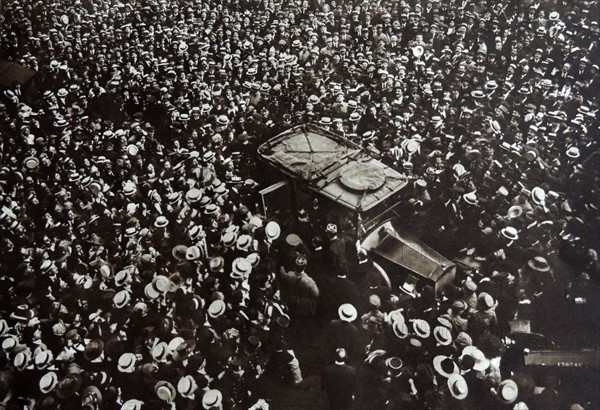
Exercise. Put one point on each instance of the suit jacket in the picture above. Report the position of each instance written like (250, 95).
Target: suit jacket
(339, 381)
(342, 334)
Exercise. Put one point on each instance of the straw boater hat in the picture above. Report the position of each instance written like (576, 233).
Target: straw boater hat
(507, 391)
(240, 268)
(229, 239)
(212, 398)
(409, 288)
(421, 328)
(127, 363)
(487, 302)
(243, 242)
(132, 404)
(256, 222)
(22, 360)
(347, 312)
(395, 316)
(43, 359)
(22, 313)
(394, 363)
(444, 365)
(400, 329)
(193, 253)
(161, 222)
(442, 335)
(458, 386)
(3, 327)
(216, 308)
(254, 259)
(48, 382)
(573, 152)
(470, 198)
(222, 120)
(510, 233)
(538, 195)
(514, 212)
(216, 264)
(481, 362)
(165, 391)
(193, 195)
(132, 150)
(160, 351)
(539, 264)
(31, 163)
(161, 283)
(121, 299)
(187, 386)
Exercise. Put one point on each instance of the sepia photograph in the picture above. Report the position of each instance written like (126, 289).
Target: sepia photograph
(299, 204)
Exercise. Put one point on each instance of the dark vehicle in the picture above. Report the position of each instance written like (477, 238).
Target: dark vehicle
(361, 194)
(544, 361)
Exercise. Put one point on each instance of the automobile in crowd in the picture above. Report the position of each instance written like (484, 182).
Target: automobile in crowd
(318, 168)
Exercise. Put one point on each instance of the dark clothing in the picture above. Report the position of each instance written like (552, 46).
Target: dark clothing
(339, 381)
(341, 334)
(337, 292)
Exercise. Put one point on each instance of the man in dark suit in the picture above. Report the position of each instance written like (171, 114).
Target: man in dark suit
(339, 381)
(342, 333)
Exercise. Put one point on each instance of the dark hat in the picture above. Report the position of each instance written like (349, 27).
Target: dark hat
(93, 350)
(91, 398)
(179, 252)
(183, 351)
(68, 385)
(301, 261)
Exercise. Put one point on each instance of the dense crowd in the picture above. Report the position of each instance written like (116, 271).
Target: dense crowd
(138, 271)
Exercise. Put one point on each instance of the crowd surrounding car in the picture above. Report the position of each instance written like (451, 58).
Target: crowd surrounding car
(137, 267)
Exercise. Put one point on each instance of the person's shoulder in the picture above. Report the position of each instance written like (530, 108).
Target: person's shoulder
(306, 277)
(288, 275)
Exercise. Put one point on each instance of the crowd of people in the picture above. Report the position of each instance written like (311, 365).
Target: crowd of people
(137, 267)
